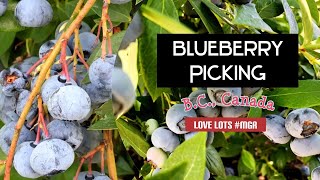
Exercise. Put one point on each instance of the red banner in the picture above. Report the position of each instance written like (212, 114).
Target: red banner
(226, 124)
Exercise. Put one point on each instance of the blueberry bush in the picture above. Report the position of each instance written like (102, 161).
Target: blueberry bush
(79, 98)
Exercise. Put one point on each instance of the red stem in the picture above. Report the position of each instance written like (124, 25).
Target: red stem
(63, 60)
(82, 60)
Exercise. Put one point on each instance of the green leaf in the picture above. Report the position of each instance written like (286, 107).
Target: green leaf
(209, 20)
(217, 11)
(7, 39)
(313, 163)
(229, 178)
(166, 22)
(117, 12)
(219, 140)
(306, 95)
(123, 167)
(193, 152)
(148, 47)
(278, 177)
(179, 3)
(279, 158)
(106, 119)
(214, 162)
(176, 172)
(231, 151)
(306, 21)
(313, 10)
(290, 18)
(269, 8)
(38, 35)
(133, 136)
(247, 163)
(145, 169)
(247, 15)
(68, 174)
(256, 112)
(8, 20)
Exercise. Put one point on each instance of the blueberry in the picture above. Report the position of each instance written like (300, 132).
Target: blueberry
(88, 43)
(68, 131)
(210, 137)
(46, 47)
(204, 112)
(215, 94)
(123, 92)
(100, 72)
(8, 104)
(84, 27)
(33, 13)
(51, 157)
(249, 91)
(12, 81)
(9, 116)
(97, 95)
(151, 125)
(85, 176)
(315, 174)
(119, 1)
(91, 139)
(301, 123)
(81, 72)
(156, 156)
(69, 103)
(6, 134)
(21, 160)
(3, 6)
(304, 147)
(229, 171)
(235, 111)
(26, 64)
(165, 139)
(52, 84)
(22, 100)
(175, 118)
(275, 129)
(305, 170)
(206, 174)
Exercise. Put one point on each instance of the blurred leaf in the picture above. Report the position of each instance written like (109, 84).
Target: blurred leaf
(278, 177)
(214, 162)
(290, 18)
(306, 95)
(313, 10)
(145, 169)
(7, 39)
(166, 22)
(219, 140)
(313, 163)
(269, 8)
(148, 47)
(9, 21)
(5, 58)
(179, 3)
(209, 20)
(247, 15)
(133, 136)
(247, 163)
(38, 35)
(178, 171)
(229, 178)
(279, 158)
(193, 152)
(123, 167)
(105, 116)
(117, 12)
(129, 58)
(306, 21)
(231, 151)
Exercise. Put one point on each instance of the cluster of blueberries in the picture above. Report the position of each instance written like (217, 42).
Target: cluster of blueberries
(166, 139)
(66, 107)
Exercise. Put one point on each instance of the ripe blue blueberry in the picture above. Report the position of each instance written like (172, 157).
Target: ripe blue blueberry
(175, 118)
(46, 47)
(204, 112)
(315, 174)
(88, 43)
(165, 139)
(51, 157)
(33, 13)
(215, 94)
(12, 81)
(100, 72)
(210, 137)
(97, 95)
(22, 100)
(235, 111)
(3, 6)
(21, 160)
(305, 147)
(301, 123)
(275, 129)
(69, 103)
(6, 134)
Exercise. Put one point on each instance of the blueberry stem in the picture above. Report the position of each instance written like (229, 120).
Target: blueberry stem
(82, 60)
(63, 60)
(35, 65)
(47, 65)
(111, 163)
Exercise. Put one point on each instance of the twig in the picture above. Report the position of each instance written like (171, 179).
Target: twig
(110, 155)
(41, 78)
